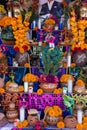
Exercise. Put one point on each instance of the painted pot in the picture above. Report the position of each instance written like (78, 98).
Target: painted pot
(48, 87)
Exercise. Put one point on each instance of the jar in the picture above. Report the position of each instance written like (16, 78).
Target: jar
(52, 120)
(70, 121)
(12, 113)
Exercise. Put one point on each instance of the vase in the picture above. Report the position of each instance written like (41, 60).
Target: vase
(48, 87)
(7, 36)
(52, 120)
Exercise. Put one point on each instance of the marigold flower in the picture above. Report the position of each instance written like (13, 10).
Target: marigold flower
(51, 112)
(7, 83)
(79, 126)
(39, 91)
(2, 90)
(19, 125)
(60, 124)
(21, 88)
(25, 123)
(79, 82)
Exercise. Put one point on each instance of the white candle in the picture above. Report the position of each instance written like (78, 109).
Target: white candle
(69, 60)
(34, 24)
(9, 13)
(22, 114)
(39, 23)
(70, 85)
(79, 116)
(25, 87)
(68, 24)
(31, 89)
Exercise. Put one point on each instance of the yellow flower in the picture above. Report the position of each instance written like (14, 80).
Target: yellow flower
(2, 90)
(60, 124)
(21, 88)
(19, 125)
(79, 126)
(39, 91)
(25, 123)
(51, 112)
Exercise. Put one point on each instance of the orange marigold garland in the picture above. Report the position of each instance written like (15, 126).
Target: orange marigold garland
(20, 34)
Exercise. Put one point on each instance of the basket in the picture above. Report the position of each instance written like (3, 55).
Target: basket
(8, 42)
(48, 87)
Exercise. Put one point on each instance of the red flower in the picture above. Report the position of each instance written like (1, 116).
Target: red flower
(25, 47)
(16, 49)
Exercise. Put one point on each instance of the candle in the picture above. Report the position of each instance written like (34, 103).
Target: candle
(68, 60)
(30, 89)
(79, 116)
(9, 13)
(68, 24)
(70, 84)
(22, 114)
(39, 23)
(34, 24)
(25, 87)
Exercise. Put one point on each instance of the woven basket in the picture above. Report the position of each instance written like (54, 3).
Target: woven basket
(48, 87)
(8, 42)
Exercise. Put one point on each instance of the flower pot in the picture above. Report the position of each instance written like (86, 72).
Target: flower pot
(52, 120)
(48, 87)
(12, 113)
(70, 121)
(9, 42)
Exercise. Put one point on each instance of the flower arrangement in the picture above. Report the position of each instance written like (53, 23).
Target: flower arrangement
(79, 47)
(79, 82)
(2, 9)
(58, 91)
(19, 124)
(50, 21)
(30, 78)
(20, 29)
(53, 111)
(48, 79)
(65, 77)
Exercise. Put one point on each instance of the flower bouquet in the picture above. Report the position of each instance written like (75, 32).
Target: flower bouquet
(51, 61)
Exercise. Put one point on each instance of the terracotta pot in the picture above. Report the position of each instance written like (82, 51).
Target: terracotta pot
(79, 89)
(9, 42)
(70, 121)
(52, 120)
(48, 87)
(32, 119)
(12, 113)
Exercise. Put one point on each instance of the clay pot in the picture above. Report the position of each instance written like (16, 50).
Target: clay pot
(12, 113)
(21, 58)
(79, 89)
(48, 87)
(70, 121)
(32, 119)
(52, 120)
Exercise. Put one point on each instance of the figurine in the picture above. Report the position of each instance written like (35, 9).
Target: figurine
(32, 117)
